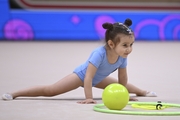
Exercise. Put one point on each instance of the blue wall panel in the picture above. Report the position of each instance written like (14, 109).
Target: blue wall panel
(41, 25)
(4, 16)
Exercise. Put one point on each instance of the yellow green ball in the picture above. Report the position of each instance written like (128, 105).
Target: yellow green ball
(115, 96)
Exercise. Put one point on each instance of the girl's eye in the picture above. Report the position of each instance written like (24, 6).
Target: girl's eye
(131, 44)
(125, 45)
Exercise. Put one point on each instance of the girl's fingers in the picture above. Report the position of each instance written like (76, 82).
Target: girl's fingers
(87, 102)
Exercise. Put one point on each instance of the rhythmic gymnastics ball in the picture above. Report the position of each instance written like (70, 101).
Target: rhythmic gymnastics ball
(115, 96)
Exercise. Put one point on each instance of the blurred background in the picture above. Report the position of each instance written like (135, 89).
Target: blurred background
(81, 20)
(76, 28)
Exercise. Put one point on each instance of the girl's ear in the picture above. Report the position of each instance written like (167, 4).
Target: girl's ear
(111, 44)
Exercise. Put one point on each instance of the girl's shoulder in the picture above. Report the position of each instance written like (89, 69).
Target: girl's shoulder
(100, 50)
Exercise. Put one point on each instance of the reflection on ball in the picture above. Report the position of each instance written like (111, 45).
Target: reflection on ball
(115, 96)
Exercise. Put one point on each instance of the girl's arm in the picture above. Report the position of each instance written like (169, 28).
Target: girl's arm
(122, 76)
(90, 72)
(123, 79)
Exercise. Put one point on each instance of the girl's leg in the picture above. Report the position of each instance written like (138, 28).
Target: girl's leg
(66, 84)
(131, 88)
(135, 90)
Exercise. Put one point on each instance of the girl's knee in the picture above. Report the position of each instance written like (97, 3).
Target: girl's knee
(49, 91)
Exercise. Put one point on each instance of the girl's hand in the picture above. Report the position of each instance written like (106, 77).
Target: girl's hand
(133, 99)
(87, 101)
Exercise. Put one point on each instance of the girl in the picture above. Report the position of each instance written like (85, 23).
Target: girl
(95, 71)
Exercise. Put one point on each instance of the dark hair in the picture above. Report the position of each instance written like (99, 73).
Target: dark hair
(112, 30)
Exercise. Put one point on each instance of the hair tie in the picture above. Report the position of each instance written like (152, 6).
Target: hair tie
(128, 29)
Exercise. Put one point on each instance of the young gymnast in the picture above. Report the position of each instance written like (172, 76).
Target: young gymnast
(95, 71)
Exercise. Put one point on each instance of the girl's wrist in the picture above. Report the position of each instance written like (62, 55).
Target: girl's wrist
(89, 98)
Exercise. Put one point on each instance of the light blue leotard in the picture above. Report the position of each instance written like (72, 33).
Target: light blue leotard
(99, 59)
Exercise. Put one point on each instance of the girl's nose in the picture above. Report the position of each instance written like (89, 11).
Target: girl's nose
(127, 50)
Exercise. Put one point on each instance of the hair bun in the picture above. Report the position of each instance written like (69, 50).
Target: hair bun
(128, 22)
(107, 26)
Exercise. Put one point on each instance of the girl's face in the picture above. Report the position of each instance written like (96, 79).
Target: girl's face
(124, 47)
